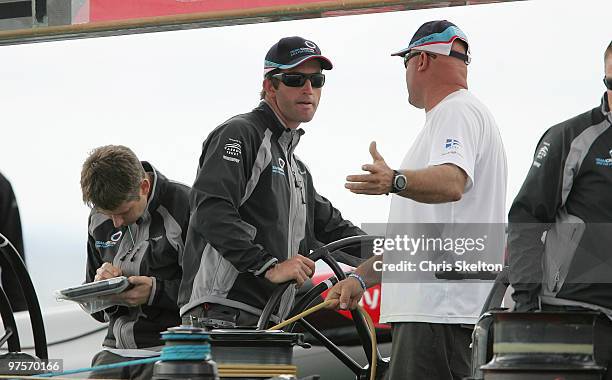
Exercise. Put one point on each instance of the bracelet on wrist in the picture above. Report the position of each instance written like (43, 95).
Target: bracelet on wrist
(358, 278)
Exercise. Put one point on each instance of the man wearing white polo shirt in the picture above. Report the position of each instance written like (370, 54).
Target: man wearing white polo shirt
(453, 176)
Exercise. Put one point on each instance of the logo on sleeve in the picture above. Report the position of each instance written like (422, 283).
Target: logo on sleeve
(541, 155)
(452, 144)
(280, 168)
(232, 150)
(607, 162)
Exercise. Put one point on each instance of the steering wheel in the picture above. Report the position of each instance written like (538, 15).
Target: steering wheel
(325, 253)
(10, 260)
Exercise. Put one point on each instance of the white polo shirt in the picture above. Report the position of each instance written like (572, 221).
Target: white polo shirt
(459, 130)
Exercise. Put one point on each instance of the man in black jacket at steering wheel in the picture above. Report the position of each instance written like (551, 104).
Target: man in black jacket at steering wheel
(255, 213)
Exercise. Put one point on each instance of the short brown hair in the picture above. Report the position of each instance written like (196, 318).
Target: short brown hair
(275, 83)
(608, 51)
(111, 175)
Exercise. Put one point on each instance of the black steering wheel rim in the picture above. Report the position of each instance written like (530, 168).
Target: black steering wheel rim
(325, 253)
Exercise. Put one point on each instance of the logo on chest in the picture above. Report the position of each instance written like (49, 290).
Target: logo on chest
(607, 162)
(280, 168)
(114, 239)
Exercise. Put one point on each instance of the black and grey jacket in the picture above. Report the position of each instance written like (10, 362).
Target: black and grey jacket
(153, 246)
(253, 204)
(560, 231)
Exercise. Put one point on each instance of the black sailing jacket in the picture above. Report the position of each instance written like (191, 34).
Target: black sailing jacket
(568, 196)
(153, 246)
(253, 204)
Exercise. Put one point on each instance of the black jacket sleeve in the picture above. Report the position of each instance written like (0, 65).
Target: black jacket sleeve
(227, 159)
(166, 293)
(532, 213)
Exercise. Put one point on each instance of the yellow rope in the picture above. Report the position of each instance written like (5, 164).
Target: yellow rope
(372, 329)
(302, 315)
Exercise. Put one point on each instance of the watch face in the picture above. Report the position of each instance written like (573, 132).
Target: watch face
(400, 182)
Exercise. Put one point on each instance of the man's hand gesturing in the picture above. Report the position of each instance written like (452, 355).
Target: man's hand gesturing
(378, 181)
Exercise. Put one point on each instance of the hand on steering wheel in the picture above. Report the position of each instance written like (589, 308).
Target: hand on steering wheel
(346, 294)
(350, 290)
(297, 268)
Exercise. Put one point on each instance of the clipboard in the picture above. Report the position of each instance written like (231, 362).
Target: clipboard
(95, 289)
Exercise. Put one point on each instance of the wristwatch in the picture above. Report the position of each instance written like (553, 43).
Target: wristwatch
(399, 182)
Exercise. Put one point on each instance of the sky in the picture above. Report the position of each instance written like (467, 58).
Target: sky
(534, 63)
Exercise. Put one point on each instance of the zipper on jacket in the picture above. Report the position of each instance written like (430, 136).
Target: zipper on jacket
(296, 186)
(292, 211)
(294, 207)
(132, 248)
(292, 183)
(300, 186)
(557, 277)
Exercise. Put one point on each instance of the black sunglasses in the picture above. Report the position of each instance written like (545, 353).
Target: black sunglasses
(317, 80)
(464, 57)
(409, 56)
(608, 83)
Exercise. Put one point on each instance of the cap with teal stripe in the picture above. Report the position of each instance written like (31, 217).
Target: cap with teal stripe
(290, 52)
(436, 37)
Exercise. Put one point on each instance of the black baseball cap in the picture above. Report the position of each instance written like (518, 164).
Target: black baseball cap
(290, 52)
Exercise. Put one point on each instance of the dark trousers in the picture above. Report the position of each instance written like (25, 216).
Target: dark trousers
(215, 316)
(140, 372)
(430, 351)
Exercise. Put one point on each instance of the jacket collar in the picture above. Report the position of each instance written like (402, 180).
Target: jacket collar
(288, 138)
(158, 186)
(269, 109)
(605, 106)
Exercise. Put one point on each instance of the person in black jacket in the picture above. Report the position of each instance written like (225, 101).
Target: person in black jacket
(560, 230)
(10, 227)
(255, 212)
(137, 229)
